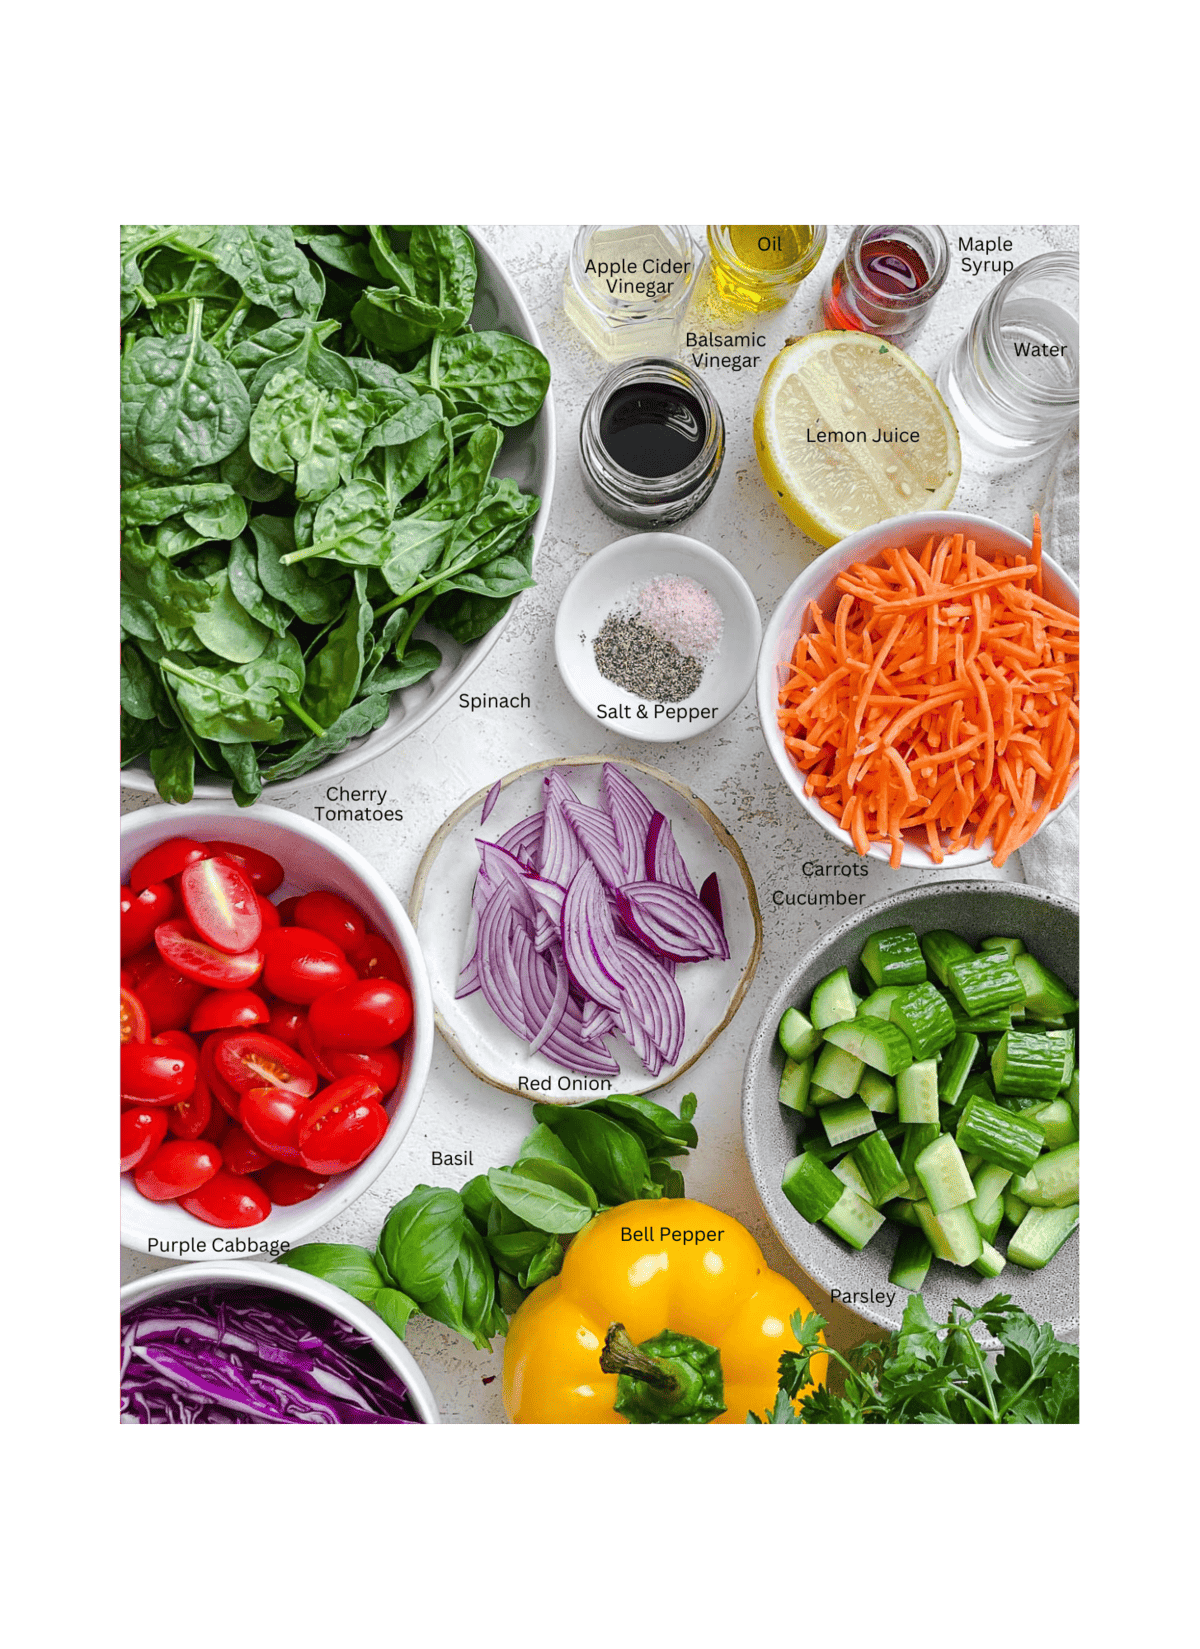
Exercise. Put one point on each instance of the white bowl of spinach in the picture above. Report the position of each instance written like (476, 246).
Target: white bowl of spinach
(337, 458)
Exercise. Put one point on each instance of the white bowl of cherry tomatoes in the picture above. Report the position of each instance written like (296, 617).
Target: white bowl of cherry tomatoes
(276, 1029)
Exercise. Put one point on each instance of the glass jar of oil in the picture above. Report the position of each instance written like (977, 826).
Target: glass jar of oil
(756, 267)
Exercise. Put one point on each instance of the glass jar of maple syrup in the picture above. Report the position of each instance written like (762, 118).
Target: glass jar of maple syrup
(888, 276)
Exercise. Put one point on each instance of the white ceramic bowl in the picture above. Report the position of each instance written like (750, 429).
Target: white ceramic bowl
(818, 582)
(615, 573)
(312, 858)
(299, 1285)
(528, 456)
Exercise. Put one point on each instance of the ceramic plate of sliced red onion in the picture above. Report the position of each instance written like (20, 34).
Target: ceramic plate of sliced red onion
(590, 927)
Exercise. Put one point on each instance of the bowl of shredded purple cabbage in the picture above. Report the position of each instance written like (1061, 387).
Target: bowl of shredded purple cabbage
(248, 1344)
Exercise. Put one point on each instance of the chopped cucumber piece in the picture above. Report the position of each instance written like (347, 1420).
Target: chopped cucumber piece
(997, 1136)
(877, 1092)
(990, 1182)
(911, 1260)
(832, 1000)
(988, 1227)
(893, 957)
(1057, 1119)
(1067, 1038)
(880, 1169)
(940, 948)
(848, 1172)
(983, 984)
(1010, 947)
(882, 1046)
(1015, 1207)
(811, 1187)
(953, 1235)
(1028, 1063)
(1046, 997)
(879, 1004)
(902, 1211)
(991, 1262)
(1041, 1234)
(955, 1068)
(846, 1119)
(916, 1093)
(925, 1018)
(818, 1096)
(942, 1171)
(1072, 1094)
(1056, 1178)
(794, 1085)
(915, 1138)
(853, 1219)
(798, 1036)
(837, 1070)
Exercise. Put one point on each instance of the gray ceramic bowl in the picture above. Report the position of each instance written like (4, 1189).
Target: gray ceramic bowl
(1049, 927)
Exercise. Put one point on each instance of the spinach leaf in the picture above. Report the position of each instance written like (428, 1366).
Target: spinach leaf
(443, 260)
(395, 320)
(457, 487)
(248, 591)
(309, 434)
(468, 617)
(245, 477)
(173, 764)
(182, 404)
(495, 373)
(268, 266)
(421, 658)
(311, 599)
(141, 694)
(145, 505)
(242, 762)
(336, 670)
(222, 520)
(341, 252)
(226, 628)
(231, 705)
(413, 544)
(361, 718)
(400, 419)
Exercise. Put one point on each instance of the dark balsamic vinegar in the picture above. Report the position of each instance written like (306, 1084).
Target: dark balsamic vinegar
(652, 430)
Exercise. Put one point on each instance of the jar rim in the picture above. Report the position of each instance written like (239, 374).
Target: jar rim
(719, 233)
(933, 240)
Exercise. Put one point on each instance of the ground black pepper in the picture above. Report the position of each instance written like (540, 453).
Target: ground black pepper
(635, 657)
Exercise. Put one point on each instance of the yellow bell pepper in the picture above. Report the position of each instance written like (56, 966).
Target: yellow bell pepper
(675, 1273)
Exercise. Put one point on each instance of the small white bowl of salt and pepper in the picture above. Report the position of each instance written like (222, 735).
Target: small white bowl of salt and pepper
(657, 637)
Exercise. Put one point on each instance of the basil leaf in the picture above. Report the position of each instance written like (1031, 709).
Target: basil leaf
(668, 1178)
(420, 1241)
(610, 1157)
(653, 1123)
(467, 1300)
(345, 1265)
(562, 1203)
(478, 1197)
(395, 1308)
(542, 1142)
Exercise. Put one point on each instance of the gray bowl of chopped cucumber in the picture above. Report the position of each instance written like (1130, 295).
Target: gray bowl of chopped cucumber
(911, 1104)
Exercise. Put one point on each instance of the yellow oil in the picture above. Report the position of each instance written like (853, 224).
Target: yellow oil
(757, 266)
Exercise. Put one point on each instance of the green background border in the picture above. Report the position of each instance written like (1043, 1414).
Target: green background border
(483, 1527)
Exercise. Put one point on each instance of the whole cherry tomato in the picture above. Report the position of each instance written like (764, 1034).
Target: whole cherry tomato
(335, 917)
(241, 1154)
(164, 861)
(270, 916)
(379, 960)
(229, 1010)
(141, 913)
(287, 909)
(189, 1118)
(272, 1118)
(155, 1075)
(218, 1126)
(135, 1022)
(248, 1059)
(177, 1168)
(368, 1014)
(182, 948)
(286, 1185)
(264, 872)
(342, 1126)
(312, 1052)
(228, 1200)
(379, 1065)
(168, 998)
(301, 965)
(177, 1039)
(135, 968)
(285, 1022)
(143, 1130)
(221, 905)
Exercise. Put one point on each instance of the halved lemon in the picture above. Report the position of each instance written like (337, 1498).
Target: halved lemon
(850, 431)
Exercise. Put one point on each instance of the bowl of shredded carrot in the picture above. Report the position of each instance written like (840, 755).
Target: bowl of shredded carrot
(918, 688)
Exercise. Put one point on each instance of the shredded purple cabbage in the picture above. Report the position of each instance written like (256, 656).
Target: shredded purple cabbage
(235, 1356)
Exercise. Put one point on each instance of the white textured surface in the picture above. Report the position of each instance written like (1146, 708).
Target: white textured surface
(429, 774)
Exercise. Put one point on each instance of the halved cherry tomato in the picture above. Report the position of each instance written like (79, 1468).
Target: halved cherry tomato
(368, 1014)
(301, 965)
(155, 1076)
(342, 1126)
(241, 1154)
(188, 1118)
(141, 913)
(287, 909)
(379, 960)
(272, 1118)
(142, 1131)
(270, 916)
(175, 1038)
(181, 947)
(228, 1200)
(177, 1168)
(286, 1185)
(335, 917)
(165, 860)
(229, 1010)
(227, 1097)
(135, 1022)
(285, 1022)
(221, 905)
(248, 1059)
(168, 997)
(380, 1065)
(264, 872)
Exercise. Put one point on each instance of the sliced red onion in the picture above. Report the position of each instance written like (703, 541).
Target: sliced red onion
(710, 898)
(638, 1038)
(561, 854)
(524, 840)
(653, 998)
(589, 938)
(548, 903)
(631, 813)
(664, 861)
(489, 802)
(500, 868)
(562, 987)
(565, 1046)
(598, 840)
(671, 922)
(498, 978)
(597, 1021)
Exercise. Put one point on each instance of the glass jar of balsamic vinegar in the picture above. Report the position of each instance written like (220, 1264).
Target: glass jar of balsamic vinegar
(651, 442)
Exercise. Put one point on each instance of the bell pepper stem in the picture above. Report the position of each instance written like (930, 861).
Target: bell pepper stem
(673, 1381)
